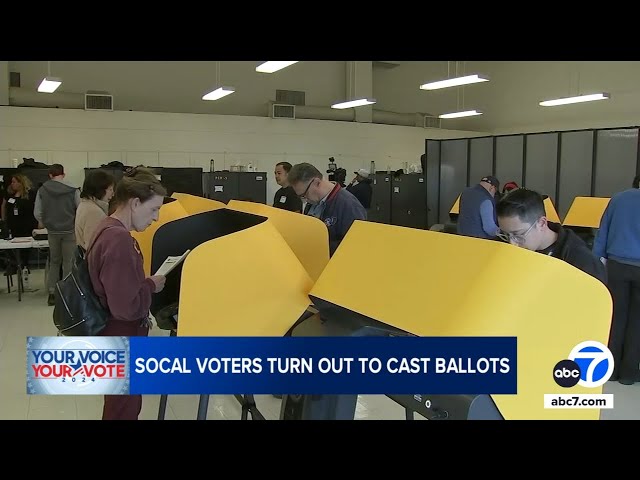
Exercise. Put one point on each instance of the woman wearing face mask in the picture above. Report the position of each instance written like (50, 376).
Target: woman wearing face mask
(97, 191)
(117, 274)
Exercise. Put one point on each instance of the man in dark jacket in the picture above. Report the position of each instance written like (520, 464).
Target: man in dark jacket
(523, 222)
(361, 188)
(285, 198)
(477, 216)
(331, 203)
(55, 210)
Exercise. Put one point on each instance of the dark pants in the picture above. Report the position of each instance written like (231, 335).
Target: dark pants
(62, 248)
(123, 407)
(624, 338)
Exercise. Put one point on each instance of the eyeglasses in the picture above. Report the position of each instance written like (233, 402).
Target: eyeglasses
(516, 237)
(303, 194)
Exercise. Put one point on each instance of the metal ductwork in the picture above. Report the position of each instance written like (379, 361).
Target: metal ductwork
(22, 97)
(348, 115)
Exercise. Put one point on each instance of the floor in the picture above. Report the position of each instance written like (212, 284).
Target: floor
(32, 317)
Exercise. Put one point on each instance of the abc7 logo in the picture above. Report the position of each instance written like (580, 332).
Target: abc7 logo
(590, 364)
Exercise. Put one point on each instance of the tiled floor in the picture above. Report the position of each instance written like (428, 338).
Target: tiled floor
(32, 317)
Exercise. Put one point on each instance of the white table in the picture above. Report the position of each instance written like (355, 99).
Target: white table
(14, 247)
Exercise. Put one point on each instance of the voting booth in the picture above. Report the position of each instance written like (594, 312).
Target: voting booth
(455, 293)
(584, 217)
(249, 274)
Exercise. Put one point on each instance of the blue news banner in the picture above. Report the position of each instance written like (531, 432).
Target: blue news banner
(266, 365)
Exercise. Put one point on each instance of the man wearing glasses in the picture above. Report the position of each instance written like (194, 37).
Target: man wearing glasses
(523, 222)
(331, 203)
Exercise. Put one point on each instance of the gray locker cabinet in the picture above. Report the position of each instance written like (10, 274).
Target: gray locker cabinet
(223, 186)
(252, 186)
(380, 210)
(409, 201)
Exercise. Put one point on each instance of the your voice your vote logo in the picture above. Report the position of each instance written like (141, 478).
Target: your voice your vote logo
(590, 364)
(77, 365)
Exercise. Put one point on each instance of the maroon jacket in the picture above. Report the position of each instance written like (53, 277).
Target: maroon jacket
(117, 273)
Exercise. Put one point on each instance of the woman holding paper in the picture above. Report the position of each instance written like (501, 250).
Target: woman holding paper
(117, 275)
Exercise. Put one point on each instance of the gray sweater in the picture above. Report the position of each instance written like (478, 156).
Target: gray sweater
(56, 205)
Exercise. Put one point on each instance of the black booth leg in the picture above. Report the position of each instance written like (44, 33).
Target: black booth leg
(163, 407)
(203, 405)
(408, 414)
(164, 398)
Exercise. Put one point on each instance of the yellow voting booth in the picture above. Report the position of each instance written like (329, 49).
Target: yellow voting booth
(586, 212)
(307, 236)
(193, 204)
(262, 293)
(442, 285)
(550, 209)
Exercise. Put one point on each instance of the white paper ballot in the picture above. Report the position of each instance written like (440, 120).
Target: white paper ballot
(170, 263)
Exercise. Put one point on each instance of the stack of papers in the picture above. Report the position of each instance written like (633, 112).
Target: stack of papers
(22, 240)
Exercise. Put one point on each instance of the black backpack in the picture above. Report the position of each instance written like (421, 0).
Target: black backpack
(77, 310)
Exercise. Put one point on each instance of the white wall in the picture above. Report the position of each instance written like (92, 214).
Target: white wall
(79, 139)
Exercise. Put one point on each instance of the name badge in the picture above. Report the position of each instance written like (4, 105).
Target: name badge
(12, 200)
(283, 199)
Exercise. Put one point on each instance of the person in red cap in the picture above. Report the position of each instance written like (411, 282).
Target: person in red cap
(508, 187)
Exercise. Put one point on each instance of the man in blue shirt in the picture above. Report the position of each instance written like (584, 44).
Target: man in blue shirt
(478, 209)
(331, 203)
(617, 244)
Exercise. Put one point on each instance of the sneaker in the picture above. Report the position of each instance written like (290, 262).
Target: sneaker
(51, 301)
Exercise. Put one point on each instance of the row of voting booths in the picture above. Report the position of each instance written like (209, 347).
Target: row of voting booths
(297, 289)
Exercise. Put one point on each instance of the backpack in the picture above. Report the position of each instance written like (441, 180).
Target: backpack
(77, 310)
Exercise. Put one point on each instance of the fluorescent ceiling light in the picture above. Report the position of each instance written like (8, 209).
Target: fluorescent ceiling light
(270, 67)
(354, 103)
(467, 113)
(219, 93)
(454, 82)
(578, 99)
(49, 84)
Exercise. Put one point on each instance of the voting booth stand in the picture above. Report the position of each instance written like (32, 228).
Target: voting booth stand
(251, 274)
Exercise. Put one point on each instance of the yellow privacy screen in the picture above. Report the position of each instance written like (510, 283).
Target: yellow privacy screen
(456, 206)
(307, 236)
(193, 204)
(437, 284)
(246, 283)
(586, 212)
(550, 210)
(168, 212)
